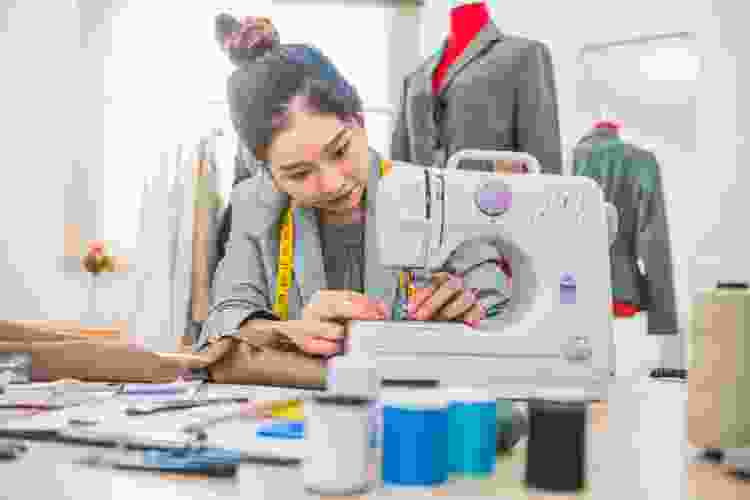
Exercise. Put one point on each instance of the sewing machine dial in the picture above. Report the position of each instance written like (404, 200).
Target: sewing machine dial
(493, 198)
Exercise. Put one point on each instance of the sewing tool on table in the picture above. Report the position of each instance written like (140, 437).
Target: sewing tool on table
(252, 410)
(290, 410)
(674, 375)
(55, 395)
(15, 368)
(147, 408)
(179, 387)
(108, 435)
(5, 378)
(210, 462)
(145, 436)
(10, 450)
(31, 405)
(423, 215)
(282, 430)
(67, 385)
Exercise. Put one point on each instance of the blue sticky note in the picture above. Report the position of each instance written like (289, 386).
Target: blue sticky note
(282, 430)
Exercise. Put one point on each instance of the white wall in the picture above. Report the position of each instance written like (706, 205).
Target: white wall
(391, 48)
(43, 126)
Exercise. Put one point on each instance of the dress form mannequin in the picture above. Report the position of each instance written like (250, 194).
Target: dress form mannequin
(613, 125)
(619, 309)
(482, 89)
(467, 18)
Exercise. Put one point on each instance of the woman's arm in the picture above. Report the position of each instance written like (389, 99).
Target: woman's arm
(247, 342)
(239, 292)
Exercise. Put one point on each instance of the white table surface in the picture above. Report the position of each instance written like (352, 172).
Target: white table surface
(643, 454)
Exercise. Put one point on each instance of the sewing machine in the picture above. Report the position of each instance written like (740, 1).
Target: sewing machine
(555, 334)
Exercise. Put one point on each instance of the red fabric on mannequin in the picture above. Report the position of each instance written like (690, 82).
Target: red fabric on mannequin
(466, 22)
(624, 310)
(611, 124)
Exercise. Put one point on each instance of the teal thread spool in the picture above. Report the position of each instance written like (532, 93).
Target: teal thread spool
(472, 432)
(509, 430)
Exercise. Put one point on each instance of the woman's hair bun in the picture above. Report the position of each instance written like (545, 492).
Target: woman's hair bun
(246, 40)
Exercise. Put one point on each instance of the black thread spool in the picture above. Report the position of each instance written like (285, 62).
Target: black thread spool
(556, 451)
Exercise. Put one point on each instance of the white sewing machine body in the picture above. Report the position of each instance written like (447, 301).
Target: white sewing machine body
(556, 331)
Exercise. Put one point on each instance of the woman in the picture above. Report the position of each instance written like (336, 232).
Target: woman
(295, 112)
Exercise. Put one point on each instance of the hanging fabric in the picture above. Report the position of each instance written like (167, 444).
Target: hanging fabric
(177, 256)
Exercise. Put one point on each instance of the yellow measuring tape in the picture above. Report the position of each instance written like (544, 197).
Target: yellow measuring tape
(286, 259)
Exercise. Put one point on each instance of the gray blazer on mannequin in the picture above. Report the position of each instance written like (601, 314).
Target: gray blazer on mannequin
(498, 95)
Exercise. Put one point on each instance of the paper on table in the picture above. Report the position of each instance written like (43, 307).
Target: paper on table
(42, 422)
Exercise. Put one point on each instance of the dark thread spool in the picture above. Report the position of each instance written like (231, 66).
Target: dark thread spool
(556, 452)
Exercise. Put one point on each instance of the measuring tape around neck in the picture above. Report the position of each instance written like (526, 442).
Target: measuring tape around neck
(286, 259)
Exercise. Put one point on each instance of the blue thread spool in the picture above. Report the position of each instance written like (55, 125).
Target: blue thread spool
(415, 438)
(472, 432)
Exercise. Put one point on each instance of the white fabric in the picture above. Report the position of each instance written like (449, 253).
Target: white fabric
(154, 321)
(184, 252)
(163, 313)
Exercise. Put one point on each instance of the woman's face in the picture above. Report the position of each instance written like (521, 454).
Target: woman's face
(320, 162)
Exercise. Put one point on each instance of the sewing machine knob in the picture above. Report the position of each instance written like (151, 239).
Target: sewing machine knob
(577, 349)
(493, 198)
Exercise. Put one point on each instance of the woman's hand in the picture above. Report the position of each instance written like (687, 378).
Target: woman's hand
(446, 300)
(322, 327)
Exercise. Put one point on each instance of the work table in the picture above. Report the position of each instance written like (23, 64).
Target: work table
(637, 450)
